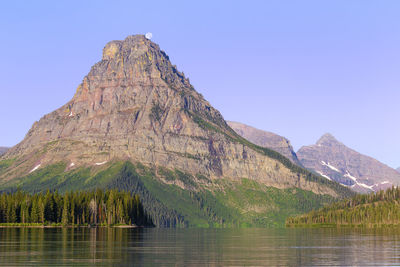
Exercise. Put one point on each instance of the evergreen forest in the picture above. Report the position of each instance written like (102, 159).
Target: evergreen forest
(369, 210)
(96, 207)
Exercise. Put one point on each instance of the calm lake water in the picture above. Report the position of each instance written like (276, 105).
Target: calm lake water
(199, 247)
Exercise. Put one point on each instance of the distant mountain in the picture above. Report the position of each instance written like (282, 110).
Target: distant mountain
(266, 139)
(3, 150)
(333, 160)
(398, 169)
(136, 123)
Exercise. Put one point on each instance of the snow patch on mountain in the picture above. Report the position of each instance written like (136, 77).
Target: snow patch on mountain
(323, 175)
(35, 168)
(358, 183)
(329, 166)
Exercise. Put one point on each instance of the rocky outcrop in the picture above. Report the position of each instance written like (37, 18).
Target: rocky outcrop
(135, 105)
(335, 161)
(266, 139)
(3, 150)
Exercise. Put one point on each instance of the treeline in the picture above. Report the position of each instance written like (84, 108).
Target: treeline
(370, 210)
(96, 207)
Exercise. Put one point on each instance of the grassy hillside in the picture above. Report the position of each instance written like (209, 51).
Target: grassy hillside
(222, 203)
(372, 210)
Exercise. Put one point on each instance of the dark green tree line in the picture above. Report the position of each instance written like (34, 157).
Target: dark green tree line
(96, 207)
(375, 209)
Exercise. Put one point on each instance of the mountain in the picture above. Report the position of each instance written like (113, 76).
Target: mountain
(333, 160)
(398, 169)
(266, 139)
(3, 150)
(136, 123)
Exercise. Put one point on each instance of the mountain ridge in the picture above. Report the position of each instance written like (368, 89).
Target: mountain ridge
(3, 150)
(266, 139)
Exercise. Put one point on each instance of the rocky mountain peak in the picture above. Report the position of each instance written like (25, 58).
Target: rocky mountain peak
(335, 161)
(136, 122)
(328, 140)
(132, 47)
(135, 45)
(135, 105)
(133, 90)
(135, 59)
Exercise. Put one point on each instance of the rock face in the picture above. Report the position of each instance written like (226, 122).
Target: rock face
(3, 150)
(266, 139)
(333, 160)
(135, 105)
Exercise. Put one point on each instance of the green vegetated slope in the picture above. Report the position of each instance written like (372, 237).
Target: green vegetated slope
(204, 203)
(372, 210)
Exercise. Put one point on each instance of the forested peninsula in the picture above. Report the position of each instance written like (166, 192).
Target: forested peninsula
(378, 209)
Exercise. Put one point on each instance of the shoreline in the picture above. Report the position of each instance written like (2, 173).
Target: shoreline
(70, 226)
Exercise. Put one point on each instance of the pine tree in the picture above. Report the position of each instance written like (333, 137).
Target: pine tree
(41, 209)
(35, 211)
(65, 211)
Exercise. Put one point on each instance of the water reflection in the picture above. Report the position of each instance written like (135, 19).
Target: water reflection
(193, 247)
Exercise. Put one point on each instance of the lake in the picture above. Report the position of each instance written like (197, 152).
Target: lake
(194, 247)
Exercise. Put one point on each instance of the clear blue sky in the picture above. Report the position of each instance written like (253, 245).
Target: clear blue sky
(296, 68)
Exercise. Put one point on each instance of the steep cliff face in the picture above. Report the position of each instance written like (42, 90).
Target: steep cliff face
(266, 139)
(135, 106)
(333, 160)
